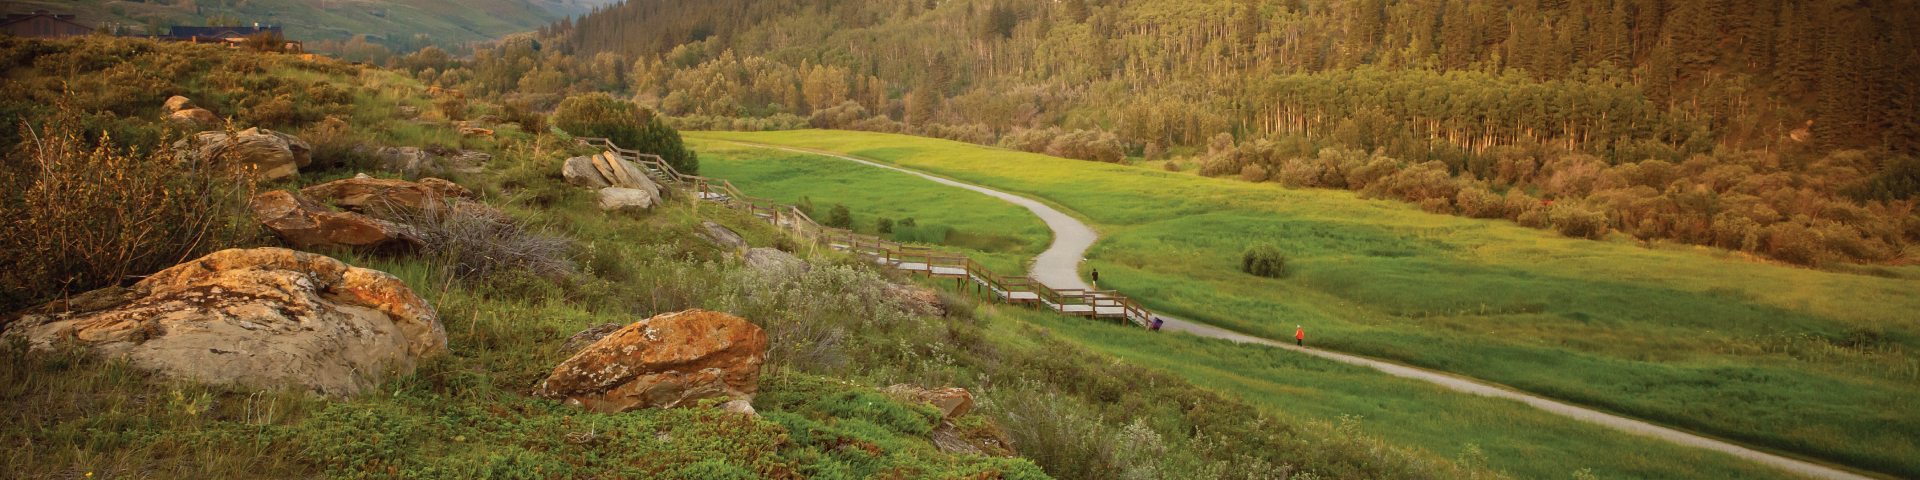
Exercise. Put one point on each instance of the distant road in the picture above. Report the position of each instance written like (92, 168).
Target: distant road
(1058, 267)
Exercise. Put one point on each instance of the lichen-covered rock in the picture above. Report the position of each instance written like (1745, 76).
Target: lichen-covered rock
(196, 118)
(773, 260)
(264, 317)
(305, 223)
(722, 237)
(663, 362)
(917, 300)
(270, 154)
(579, 171)
(404, 160)
(177, 103)
(615, 198)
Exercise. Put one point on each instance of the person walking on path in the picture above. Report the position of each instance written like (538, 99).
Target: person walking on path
(1300, 335)
(1096, 279)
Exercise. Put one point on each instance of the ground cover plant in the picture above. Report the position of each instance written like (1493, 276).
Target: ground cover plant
(1807, 361)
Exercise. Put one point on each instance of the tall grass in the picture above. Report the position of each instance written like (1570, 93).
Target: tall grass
(1812, 362)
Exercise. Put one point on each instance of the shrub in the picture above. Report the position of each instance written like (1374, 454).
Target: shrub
(628, 125)
(1253, 173)
(82, 215)
(1579, 222)
(840, 217)
(1264, 260)
(805, 205)
(1171, 166)
(452, 107)
(884, 224)
(476, 246)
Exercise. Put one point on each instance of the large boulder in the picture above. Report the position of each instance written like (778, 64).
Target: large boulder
(608, 170)
(721, 236)
(272, 155)
(615, 198)
(772, 260)
(194, 118)
(264, 317)
(178, 103)
(408, 161)
(662, 362)
(579, 171)
(305, 223)
(917, 300)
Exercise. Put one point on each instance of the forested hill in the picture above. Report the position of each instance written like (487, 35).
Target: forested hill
(1781, 128)
(1630, 78)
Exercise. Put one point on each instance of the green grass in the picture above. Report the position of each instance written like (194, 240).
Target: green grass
(995, 233)
(1516, 439)
(1813, 362)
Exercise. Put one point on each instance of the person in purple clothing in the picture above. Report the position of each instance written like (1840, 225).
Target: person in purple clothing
(1155, 326)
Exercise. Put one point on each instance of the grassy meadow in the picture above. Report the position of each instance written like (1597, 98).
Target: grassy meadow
(997, 234)
(1810, 362)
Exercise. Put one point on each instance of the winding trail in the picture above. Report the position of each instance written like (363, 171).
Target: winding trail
(1058, 267)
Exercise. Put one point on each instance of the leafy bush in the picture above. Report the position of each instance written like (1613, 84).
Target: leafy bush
(884, 224)
(1265, 260)
(840, 217)
(628, 125)
(82, 215)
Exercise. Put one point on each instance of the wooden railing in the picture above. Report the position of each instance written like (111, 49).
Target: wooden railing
(917, 259)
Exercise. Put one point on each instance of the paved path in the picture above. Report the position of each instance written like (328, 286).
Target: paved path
(1058, 268)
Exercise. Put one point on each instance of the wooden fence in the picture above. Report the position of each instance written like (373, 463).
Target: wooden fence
(915, 259)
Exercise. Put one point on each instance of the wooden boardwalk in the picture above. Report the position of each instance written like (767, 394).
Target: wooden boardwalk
(913, 259)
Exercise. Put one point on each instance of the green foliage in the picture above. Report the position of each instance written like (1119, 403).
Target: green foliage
(87, 214)
(1264, 260)
(627, 125)
(840, 217)
(884, 225)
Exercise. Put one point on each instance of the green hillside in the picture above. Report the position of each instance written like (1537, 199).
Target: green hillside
(397, 24)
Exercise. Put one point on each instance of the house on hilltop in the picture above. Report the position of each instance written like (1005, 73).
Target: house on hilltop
(233, 36)
(41, 24)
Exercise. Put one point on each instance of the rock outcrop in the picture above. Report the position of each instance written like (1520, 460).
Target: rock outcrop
(721, 236)
(264, 317)
(177, 103)
(918, 301)
(272, 155)
(305, 223)
(408, 161)
(662, 362)
(773, 260)
(607, 170)
(579, 171)
(195, 118)
(616, 198)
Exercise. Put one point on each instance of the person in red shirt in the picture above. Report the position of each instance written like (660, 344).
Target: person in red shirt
(1300, 335)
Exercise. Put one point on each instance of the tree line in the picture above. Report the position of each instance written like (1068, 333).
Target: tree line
(1458, 85)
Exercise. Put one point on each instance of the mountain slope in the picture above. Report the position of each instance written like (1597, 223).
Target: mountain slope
(395, 22)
